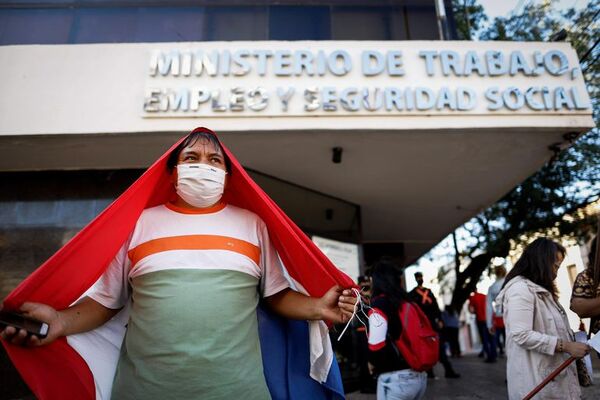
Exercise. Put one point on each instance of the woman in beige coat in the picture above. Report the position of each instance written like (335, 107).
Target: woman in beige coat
(538, 336)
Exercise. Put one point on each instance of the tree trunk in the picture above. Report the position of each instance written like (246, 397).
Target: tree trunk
(456, 254)
(466, 281)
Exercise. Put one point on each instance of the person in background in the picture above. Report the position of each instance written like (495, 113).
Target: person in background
(364, 282)
(396, 381)
(494, 322)
(585, 298)
(368, 383)
(500, 333)
(425, 299)
(477, 306)
(450, 332)
(538, 336)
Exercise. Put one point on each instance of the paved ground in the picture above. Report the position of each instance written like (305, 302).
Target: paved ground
(478, 381)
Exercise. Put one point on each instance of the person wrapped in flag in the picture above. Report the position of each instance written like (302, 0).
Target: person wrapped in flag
(174, 313)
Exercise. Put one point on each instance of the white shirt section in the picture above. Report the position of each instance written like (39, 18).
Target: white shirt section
(100, 348)
(114, 287)
(112, 290)
(273, 279)
(196, 259)
(378, 327)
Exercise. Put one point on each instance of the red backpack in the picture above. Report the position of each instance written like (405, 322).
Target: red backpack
(418, 343)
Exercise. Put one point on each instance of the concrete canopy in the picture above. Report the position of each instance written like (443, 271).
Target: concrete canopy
(413, 187)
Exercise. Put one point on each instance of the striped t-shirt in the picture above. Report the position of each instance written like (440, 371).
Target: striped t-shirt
(193, 278)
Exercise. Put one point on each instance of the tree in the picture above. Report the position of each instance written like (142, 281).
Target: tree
(549, 200)
(536, 23)
(469, 18)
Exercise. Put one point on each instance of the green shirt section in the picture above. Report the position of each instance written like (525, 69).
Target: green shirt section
(192, 334)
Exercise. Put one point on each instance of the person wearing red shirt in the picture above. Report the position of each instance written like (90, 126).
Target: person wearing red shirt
(500, 332)
(477, 306)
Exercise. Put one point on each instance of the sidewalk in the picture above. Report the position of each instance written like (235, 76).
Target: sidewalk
(478, 381)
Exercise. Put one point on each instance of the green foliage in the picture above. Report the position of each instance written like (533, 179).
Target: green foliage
(568, 182)
(539, 204)
(583, 35)
(536, 23)
(572, 179)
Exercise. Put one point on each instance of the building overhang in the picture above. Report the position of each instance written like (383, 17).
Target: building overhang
(417, 171)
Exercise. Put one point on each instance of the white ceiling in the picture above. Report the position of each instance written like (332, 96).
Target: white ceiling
(413, 187)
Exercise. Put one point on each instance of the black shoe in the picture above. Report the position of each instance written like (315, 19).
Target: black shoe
(480, 355)
(430, 374)
(489, 360)
(452, 374)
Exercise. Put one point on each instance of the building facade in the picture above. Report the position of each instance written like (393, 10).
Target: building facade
(354, 116)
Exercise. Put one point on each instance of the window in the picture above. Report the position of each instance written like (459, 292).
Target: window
(236, 23)
(17, 3)
(299, 23)
(37, 26)
(367, 23)
(103, 25)
(158, 24)
(146, 24)
(98, 21)
(399, 24)
(422, 23)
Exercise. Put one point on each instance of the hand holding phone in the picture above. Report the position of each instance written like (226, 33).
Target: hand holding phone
(20, 321)
(38, 324)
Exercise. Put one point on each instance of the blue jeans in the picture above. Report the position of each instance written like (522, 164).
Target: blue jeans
(405, 384)
(488, 341)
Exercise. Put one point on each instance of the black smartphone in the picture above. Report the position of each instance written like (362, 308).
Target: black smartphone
(19, 321)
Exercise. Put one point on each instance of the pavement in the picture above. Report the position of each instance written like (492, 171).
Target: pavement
(478, 380)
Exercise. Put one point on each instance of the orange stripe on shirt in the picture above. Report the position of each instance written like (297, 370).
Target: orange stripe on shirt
(194, 242)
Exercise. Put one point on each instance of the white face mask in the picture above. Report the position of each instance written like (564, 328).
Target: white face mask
(200, 185)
